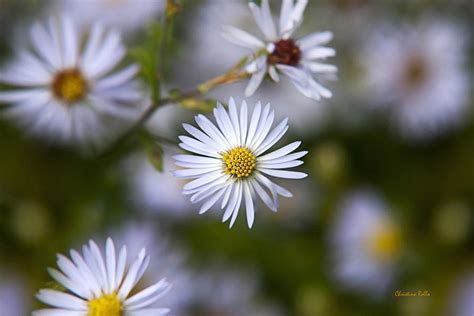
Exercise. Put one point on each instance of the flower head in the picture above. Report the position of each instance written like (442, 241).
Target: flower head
(419, 72)
(279, 52)
(367, 243)
(66, 92)
(231, 163)
(98, 286)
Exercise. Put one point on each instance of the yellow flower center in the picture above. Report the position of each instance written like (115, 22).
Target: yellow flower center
(106, 305)
(385, 243)
(69, 85)
(239, 162)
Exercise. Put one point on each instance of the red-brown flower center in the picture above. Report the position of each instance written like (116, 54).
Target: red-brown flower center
(286, 52)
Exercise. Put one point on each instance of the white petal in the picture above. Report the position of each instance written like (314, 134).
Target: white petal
(314, 39)
(61, 300)
(264, 19)
(318, 53)
(255, 82)
(283, 173)
(249, 207)
(275, 135)
(209, 203)
(280, 152)
(242, 38)
(283, 165)
(117, 79)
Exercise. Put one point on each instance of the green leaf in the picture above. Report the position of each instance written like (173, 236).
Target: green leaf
(155, 155)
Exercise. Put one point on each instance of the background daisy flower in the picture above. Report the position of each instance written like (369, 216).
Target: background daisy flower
(67, 92)
(298, 59)
(418, 71)
(101, 286)
(366, 244)
(230, 163)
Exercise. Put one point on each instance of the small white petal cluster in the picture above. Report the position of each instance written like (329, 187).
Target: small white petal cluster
(66, 92)
(278, 52)
(249, 140)
(366, 244)
(419, 70)
(90, 278)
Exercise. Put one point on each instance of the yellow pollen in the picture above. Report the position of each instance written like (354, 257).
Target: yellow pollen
(239, 162)
(69, 85)
(106, 305)
(385, 243)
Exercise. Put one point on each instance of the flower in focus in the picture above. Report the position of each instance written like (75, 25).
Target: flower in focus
(66, 92)
(298, 59)
(125, 15)
(366, 243)
(419, 73)
(102, 287)
(229, 161)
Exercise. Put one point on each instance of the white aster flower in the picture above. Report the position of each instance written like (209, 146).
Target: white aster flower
(366, 244)
(231, 164)
(100, 287)
(126, 15)
(299, 60)
(66, 92)
(419, 72)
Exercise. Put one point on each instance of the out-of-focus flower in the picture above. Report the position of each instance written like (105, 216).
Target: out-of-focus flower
(66, 92)
(462, 297)
(366, 243)
(166, 258)
(230, 165)
(215, 290)
(102, 287)
(221, 290)
(156, 192)
(13, 294)
(126, 15)
(419, 73)
(279, 52)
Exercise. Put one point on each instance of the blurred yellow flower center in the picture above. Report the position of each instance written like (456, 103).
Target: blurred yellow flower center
(69, 85)
(239, 162)
(106, 305)
(385, 243)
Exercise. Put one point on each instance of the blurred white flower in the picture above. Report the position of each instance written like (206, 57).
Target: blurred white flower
(279, 52)
(166, 259)
(14, 299)
(366, 244)
(66, 92)
(461, 300)
(220, 290)
(156, 192)
(102, 287)
(214, 290)
(419, 73)
(229, 164)
(126, 15)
